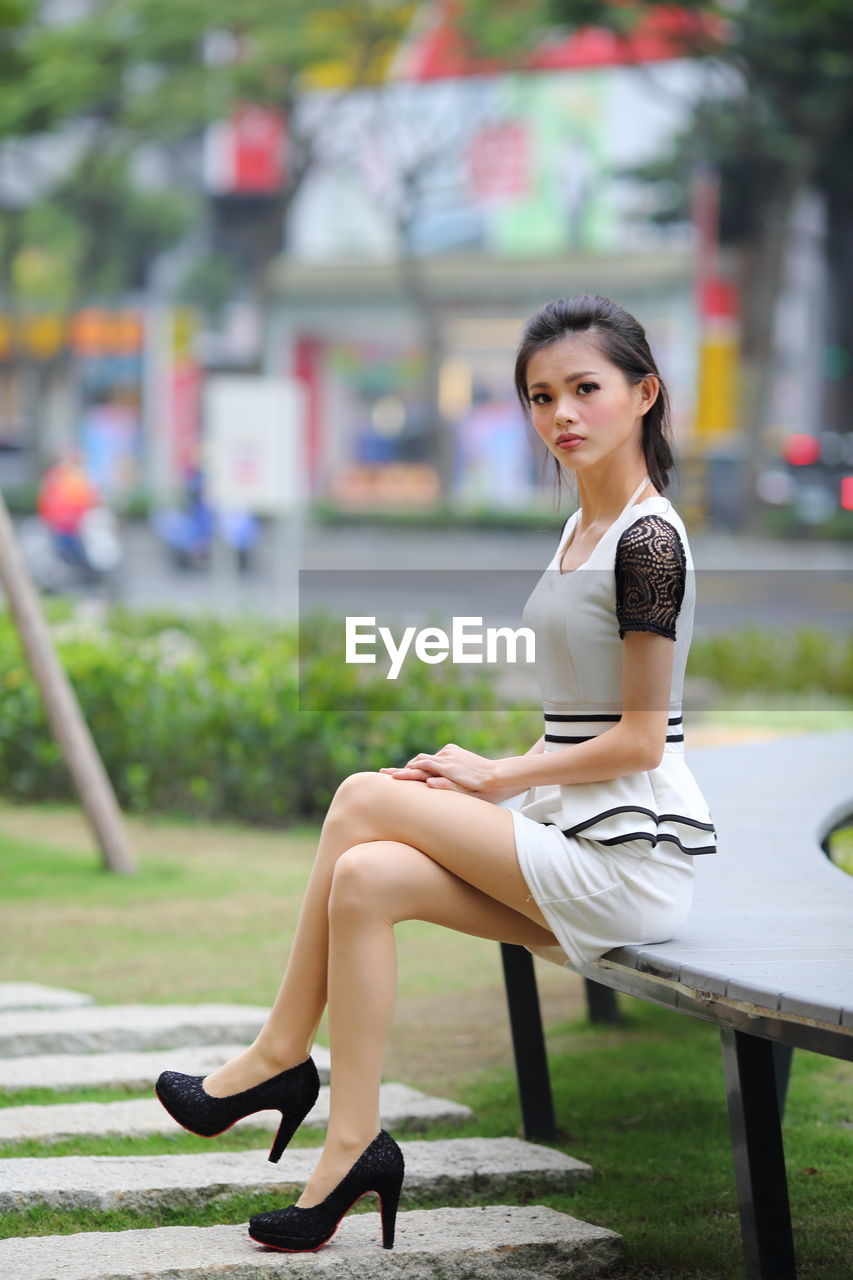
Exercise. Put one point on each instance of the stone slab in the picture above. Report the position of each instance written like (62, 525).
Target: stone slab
(442, 1170)
(32, 995)
(490, 1242)
(124, 1027)
(400, 1107)
(63, 1071)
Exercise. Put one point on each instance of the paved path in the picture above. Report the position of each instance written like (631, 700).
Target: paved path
(64, 1071)
(491, 1242)
(400, 1107)
(32, 995)
(440, 1170)
(79, 1046)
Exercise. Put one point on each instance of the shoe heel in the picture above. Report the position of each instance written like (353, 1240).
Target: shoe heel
(289, 1124)
(388, 1202)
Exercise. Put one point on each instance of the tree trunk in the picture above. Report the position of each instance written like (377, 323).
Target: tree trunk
(761, 281)
(441, 439)
(838, 394)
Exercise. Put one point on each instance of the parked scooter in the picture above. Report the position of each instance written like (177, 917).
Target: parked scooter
(188, 534)
(60, 562)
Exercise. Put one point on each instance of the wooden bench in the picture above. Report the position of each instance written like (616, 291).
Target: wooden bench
(767, 954)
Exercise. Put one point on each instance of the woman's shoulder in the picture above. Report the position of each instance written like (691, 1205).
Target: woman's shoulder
(653, 531)
(655, 514)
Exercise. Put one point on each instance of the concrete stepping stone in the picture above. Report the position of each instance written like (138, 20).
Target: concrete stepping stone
(400, 1107)
(445, 1169)
(63, 1071)
(125, 1027)
(32, 995)
(489, 1242)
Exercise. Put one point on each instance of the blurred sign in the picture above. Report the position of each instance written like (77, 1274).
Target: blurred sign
(716, 410)
(254, 445)
(499, 161)
(95, 332)
(110, 436)
(90, 333)
(246, 155)
(395, 485)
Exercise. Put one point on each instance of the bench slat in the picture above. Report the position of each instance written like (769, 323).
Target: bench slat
(772, 921)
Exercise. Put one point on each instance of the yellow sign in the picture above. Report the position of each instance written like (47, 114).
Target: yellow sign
(716, 409)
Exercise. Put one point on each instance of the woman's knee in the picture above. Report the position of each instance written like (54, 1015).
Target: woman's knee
(358, 795)
(358, 880)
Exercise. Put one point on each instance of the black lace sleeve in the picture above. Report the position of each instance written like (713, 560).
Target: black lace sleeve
(651, 570)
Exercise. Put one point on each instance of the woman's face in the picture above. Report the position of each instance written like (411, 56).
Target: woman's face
(576, 393)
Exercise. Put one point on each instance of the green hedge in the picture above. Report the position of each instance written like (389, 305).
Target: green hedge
(204, 718)
(801, 660)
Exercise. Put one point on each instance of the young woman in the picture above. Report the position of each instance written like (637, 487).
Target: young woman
(582, 844)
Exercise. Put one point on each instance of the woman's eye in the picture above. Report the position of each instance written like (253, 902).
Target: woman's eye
(540, 397)
(592, 386)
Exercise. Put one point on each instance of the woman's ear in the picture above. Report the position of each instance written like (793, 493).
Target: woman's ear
(647, 390)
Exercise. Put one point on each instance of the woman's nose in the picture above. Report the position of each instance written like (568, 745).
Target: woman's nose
(566, 411)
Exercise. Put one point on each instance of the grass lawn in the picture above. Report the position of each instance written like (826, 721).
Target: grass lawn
(210, 917)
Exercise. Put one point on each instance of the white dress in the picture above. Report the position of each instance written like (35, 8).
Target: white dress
(611, 863)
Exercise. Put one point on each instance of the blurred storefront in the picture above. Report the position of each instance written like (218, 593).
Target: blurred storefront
(74, 381)
(349, 334)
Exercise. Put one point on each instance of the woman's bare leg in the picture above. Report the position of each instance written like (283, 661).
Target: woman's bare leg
(472, 839)
(288, 1034)
(376, 885)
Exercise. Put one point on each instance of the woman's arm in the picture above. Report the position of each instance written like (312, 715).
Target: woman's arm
(633, 745)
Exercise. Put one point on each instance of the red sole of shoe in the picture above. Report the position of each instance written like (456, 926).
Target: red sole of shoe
(281, 1249)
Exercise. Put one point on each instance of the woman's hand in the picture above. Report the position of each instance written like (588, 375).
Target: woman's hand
(453, 769)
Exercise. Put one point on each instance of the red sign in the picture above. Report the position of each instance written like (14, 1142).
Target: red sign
(247, 155)
(259, 150)
(186, 418)
(498, 162)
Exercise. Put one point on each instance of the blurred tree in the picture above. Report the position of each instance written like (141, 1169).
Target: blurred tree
(783, 121)
(125, 89)
(131, 74)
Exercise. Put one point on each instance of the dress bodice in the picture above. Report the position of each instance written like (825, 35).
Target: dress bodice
(577, 618)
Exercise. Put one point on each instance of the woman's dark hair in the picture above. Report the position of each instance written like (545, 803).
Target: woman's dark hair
(622, 340)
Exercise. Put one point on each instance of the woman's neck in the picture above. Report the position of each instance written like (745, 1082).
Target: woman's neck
(602, 501)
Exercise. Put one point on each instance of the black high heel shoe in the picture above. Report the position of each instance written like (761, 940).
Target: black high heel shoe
(293, 1230)
(292, 1092)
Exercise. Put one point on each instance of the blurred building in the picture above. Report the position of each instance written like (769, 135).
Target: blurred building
(440, 213)
(440, 210)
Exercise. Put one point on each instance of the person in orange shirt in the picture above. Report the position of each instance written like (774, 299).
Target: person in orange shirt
(65, 495)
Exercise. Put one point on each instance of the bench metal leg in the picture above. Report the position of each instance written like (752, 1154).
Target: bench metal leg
(601, 1002)
(749, 1066)
(782, 1055)
(528, 1043)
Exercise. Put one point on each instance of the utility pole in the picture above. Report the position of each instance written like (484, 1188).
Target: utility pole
(63, 710)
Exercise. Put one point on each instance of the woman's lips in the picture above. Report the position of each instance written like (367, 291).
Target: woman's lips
(569, 442)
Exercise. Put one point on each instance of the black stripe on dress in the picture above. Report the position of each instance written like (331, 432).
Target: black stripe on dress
(636, 808)
(645, 835)
(585, 719)
(562, 737)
